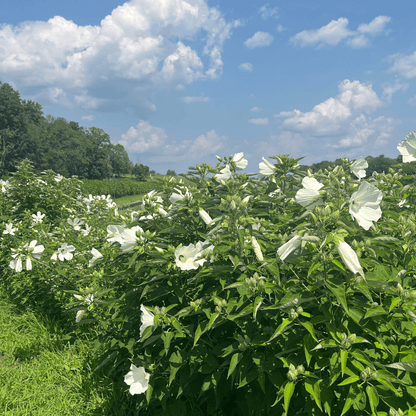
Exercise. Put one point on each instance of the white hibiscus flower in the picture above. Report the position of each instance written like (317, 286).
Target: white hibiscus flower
(365, 205)
(309, 196)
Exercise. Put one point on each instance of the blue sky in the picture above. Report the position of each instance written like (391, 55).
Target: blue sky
(180, 81)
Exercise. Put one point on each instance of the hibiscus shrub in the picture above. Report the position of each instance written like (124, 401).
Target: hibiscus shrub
(282, 293)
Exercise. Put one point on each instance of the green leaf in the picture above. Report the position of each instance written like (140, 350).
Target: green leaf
(409, 366)
(199, 331)
(338, 264)
(312, 387)
(212, 319)
(351, 397)
(326, 396)
(288, 393)
(308, 344)
(373, 398)
(177, 325)
(257, 304)
(344, 359)
(151, 340)
(362, 357)
(262, 381)
(149, 392)
(336, 286)
(375, 311)
(167, 337)
(281, 328)
(175, 362)
(309, 327)
(313, 267)
(233, 363)
(356, 315)
(326, 343)
(349, 380)
(250, 376)
(234, 285)
(394, 302)
(147, 332)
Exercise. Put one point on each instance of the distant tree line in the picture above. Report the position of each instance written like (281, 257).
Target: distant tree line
(54, 143)
(377, 164)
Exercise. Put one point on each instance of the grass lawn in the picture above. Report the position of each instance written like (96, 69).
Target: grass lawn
(43, 376)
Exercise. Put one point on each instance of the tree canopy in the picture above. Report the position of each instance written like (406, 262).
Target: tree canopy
(54, 143)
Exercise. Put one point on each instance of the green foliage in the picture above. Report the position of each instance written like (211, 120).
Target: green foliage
(170, 172)
(379, 164)
(115, 188)
(141, 172)
(233, 327)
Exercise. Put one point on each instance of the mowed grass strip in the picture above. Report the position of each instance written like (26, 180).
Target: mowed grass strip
(39, 374)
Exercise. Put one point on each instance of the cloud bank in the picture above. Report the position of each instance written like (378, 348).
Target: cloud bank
(336, 31)
(140, 46)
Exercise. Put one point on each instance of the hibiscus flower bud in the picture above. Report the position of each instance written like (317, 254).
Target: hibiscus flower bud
(205, 217)
(350, 258)
(257, 249)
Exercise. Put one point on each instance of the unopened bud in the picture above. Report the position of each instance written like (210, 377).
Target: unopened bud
(257, 249)
(293, 314)
(205, 217)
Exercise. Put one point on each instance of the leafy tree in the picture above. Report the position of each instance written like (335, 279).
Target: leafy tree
(64, 148)
(119, 160)
(325, 164)
(141, 172)
(99, 153)
(379, 164)
(170, 173)
(15, 142)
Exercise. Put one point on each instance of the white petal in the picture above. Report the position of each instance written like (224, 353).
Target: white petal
(288, 247)
(137, 379)
(311, 183)
(307, 197)
(266, 168)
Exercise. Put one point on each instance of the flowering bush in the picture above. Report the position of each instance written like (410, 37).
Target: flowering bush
(254, 294)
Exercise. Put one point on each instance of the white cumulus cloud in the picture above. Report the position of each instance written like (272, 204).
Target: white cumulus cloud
(197, 149)
(256, 109)
(259, 39)
(389, 89)
(144, 43)
(375, 27)
(259, 121)
(404, 65)
(196, 99)
(339, 126)
(267, 12)
(330, 34)
(336, 31)
(143, 138)
(326, 117)
(358, 139)
(246, 67)
(88, 118)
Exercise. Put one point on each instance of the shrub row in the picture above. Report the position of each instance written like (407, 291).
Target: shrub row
(115, 188)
